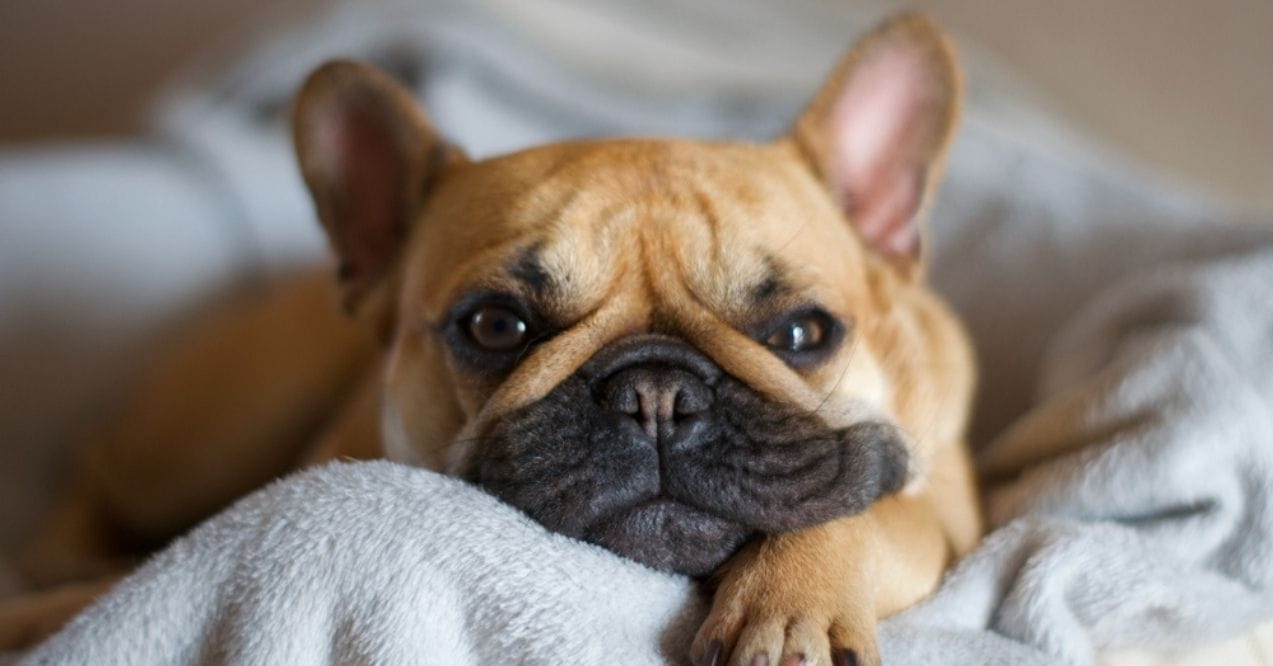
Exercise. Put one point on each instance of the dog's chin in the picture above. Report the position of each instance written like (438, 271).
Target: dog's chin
(665, 534)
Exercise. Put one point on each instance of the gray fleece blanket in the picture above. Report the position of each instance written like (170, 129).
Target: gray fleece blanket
(1125, 432)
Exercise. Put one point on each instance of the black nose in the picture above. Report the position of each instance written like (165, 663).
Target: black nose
(659, 381)
(659, 399)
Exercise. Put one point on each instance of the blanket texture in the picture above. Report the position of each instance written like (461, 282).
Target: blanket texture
(1125, 333)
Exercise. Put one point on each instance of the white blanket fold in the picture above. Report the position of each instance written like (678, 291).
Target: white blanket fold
(379, 563)
(1135, 503)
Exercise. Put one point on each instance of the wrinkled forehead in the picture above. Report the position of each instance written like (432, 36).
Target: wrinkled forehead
(728, 226)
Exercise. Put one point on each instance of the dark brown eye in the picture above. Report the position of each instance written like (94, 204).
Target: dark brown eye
(497, 329)
(801, 334)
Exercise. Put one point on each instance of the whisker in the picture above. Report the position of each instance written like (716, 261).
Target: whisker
(836, 386)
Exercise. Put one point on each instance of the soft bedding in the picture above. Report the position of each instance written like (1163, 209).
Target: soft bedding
(1125, 332)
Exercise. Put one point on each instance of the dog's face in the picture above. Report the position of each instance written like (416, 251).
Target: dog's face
(662, 347)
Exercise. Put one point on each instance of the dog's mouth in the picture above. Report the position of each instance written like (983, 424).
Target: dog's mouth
(682, 494)
(666, 534)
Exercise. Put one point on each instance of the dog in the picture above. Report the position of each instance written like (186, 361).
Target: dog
(718, 359)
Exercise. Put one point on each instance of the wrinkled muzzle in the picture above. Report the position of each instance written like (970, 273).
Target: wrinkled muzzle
(653, 452)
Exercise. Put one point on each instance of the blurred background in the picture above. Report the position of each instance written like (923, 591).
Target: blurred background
(1186, 86)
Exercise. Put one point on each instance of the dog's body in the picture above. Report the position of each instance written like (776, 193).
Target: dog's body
(714, 358)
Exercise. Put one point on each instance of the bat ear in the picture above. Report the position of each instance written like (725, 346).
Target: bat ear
(877, 132)
(369, 157)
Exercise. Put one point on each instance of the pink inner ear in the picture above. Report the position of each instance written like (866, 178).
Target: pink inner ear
(877, 129)
(366, 173)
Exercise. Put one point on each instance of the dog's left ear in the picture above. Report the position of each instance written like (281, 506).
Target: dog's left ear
(369, 156)
(877, 132)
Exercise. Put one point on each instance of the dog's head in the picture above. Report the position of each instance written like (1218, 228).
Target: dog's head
(663, 347)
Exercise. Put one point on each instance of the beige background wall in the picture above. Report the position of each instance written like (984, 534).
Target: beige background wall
(1185, 84)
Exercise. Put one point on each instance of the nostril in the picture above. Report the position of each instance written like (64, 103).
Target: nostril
(693, 398)
(657, 398)
(628, 392)
(623, 399)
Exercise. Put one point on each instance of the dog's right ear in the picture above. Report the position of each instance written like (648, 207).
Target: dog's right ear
(369, 157)
(878, 131)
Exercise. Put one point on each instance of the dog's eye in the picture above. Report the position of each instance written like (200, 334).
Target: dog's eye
(803, 338)
(496, 328)
(804, 333)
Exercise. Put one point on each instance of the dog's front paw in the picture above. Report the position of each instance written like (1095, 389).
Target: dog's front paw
(769, 621)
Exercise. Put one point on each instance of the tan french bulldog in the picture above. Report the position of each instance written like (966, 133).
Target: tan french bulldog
(718, 359)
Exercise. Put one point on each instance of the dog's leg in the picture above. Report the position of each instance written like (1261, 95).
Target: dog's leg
(354, 431)
(813, 596)
(240, 397)
(236, 400)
